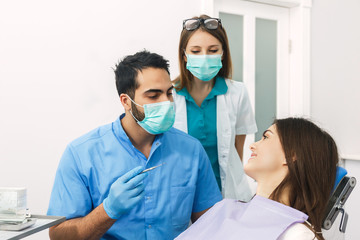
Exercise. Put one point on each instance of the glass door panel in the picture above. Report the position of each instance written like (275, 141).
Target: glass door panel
(265, 73)
(235, 31)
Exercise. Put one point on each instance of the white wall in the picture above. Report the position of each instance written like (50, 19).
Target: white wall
(56, 77)
(335, 84)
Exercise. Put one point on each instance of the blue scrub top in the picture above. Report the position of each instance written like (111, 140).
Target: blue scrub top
(202, 122)
(183, 185)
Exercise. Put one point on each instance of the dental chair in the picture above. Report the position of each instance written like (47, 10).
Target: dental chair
(343, 187)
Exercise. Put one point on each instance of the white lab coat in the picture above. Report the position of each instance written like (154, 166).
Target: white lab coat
(234, 117)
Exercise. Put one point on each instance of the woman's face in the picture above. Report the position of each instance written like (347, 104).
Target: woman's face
(201, 43)
(267, 158)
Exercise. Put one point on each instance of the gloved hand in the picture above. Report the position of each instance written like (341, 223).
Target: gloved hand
(125, 193)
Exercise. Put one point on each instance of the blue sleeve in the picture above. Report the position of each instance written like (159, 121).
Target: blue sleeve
(207, 190)
(70, 196)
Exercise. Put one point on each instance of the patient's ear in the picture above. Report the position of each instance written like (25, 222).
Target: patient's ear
(293, 158)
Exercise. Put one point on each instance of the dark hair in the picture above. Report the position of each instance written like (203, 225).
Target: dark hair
(126, 70)
(185, 78)
(312, 158)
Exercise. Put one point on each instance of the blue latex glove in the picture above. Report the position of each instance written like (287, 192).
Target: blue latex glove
(125, 193)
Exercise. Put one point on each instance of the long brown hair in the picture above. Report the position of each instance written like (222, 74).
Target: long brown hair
(185, 78)
(312, 157)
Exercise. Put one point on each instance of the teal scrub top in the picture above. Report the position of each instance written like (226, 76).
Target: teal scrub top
(202, 122)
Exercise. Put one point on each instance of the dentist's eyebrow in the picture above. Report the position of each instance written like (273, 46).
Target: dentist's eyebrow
(153, 91)
(157, 90)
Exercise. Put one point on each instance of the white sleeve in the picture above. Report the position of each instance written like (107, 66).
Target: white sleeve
(245, 120)
(298, 231)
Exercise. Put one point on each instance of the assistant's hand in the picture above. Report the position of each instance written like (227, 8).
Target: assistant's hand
(125, 193)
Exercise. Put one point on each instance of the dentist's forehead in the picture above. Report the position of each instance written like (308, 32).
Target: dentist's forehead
(153, 78)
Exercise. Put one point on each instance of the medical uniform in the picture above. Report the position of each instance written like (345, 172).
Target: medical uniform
(225, 113)
(261, 218)
(91, 163)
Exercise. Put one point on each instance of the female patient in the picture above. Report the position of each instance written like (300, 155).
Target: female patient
(294, 165)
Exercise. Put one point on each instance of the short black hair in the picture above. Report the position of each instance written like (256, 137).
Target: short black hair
(126, 70)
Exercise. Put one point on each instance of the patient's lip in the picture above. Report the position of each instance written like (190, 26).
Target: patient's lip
(253, 155)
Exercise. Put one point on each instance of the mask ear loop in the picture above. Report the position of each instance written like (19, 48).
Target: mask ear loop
(133, 101)
(131, 110)
(133, 116)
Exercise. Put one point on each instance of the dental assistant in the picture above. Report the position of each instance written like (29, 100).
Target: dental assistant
(100, 186)
(210, 106)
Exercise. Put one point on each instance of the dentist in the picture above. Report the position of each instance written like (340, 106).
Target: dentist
(209, 106)
(99, 185)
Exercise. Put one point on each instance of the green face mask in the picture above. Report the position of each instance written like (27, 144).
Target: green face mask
(159, 117)
(204, 67)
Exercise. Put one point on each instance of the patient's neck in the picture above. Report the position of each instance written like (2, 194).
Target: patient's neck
(266, 186)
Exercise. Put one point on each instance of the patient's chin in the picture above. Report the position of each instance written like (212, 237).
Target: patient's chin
(249, 170)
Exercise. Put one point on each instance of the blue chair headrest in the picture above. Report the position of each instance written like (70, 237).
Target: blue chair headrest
(340, 173)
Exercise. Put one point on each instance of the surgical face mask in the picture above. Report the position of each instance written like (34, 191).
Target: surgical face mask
(204, 67)
(159, 117)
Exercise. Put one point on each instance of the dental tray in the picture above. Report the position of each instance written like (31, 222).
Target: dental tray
(17, 226)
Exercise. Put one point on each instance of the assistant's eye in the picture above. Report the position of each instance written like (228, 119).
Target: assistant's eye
(153, 97)
(194, 51)
(213, 50)
(170, 93)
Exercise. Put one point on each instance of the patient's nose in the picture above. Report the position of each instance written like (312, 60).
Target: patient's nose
(252, 147)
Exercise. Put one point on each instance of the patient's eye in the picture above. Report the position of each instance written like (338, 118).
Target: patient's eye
(264, 136)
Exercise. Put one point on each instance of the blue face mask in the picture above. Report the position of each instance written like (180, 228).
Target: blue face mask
(204, 67)
(159, 117)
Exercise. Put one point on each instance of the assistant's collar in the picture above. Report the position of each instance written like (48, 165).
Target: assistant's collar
(219, 88)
